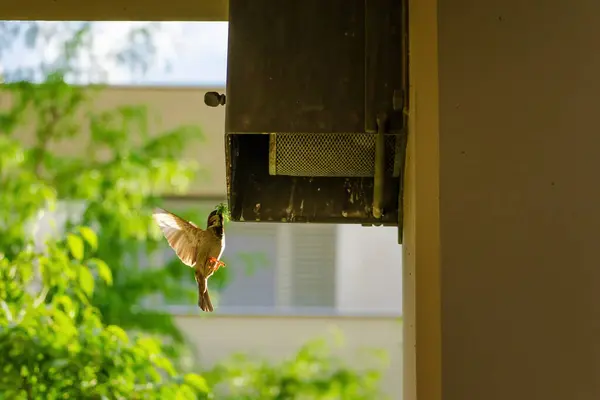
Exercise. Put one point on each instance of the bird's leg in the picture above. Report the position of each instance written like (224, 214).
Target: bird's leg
(217, 264)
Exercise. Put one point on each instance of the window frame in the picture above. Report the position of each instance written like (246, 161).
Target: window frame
(116, 10)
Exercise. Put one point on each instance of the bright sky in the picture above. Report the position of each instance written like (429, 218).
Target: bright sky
(196, 52)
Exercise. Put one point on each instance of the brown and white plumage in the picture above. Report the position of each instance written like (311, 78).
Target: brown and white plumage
(197, 248)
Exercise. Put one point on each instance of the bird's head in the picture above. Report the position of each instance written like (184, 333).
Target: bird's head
(217, 217)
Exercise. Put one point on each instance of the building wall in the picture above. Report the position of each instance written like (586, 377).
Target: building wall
(168, 108)
(368, 272)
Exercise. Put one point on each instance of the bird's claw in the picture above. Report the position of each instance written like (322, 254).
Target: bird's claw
(217, 263)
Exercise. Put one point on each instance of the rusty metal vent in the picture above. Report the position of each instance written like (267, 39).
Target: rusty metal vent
(329, 154)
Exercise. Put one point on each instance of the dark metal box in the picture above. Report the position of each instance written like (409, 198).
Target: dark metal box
(315, 128)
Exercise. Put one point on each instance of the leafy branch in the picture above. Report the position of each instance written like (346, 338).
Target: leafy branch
(118, 179)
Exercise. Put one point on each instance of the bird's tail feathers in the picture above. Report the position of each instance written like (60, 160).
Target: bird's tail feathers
(203, 297)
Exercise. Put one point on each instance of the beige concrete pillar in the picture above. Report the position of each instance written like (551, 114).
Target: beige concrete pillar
(507, 291)
(421, 263)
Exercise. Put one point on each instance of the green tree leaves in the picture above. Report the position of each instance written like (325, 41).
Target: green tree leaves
(53, 341)
(120, 173)
(313, 373)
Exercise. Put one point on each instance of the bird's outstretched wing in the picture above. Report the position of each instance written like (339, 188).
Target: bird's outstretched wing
(181, 234)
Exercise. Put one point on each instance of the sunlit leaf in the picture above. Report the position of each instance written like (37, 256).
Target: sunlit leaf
(197, 382)
(86, 280)
(164, 364)
(185, 393)
(118, 333)
(75, 244)
(150, 345)
(63, 324)
(65, 301)
(90, 236)
(104, 271)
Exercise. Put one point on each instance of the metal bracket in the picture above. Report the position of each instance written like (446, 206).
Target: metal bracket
(379, 165)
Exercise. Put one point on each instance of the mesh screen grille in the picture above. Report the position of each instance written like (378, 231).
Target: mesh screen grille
(327, 154)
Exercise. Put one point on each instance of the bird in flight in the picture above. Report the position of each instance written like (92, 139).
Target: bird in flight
(197, 248)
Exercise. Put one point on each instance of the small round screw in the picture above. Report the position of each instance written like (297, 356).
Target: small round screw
(214, 99)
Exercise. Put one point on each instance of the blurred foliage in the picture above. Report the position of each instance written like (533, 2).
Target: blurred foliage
(314, 373)
(118, 176)
(76, 44)
(52, 339)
